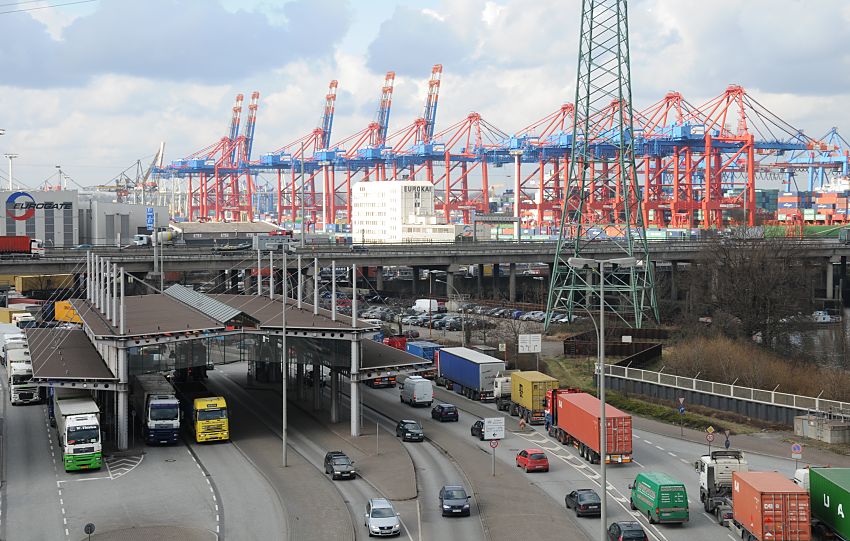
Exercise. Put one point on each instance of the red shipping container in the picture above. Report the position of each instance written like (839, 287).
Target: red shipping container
(771, 507)
(578, 416)
(14, 245)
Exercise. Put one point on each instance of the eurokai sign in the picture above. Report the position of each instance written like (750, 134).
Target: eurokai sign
(22, 206)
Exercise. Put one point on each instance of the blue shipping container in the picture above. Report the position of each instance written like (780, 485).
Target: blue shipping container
(474, 370)
(423, 348)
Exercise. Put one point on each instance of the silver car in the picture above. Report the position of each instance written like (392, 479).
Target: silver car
(381, 518)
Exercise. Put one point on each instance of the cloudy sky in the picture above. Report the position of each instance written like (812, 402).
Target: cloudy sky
(94, 86)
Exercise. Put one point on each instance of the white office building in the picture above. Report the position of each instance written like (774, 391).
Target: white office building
(397, 212)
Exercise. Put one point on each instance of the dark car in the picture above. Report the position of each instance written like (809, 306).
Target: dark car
(477, 429)
(454, 500)
(409, 430)
(411, 333)
(626, 531)
(444, 412)
(454, 325)
(339, 466)
(585, 501)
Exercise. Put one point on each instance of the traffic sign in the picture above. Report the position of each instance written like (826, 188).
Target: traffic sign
(796, 451)
(727, 444)
(149, 217)
(494, 443)
(681, 400)
(710, 430)
(681, 410)
(530, 343)
(494, 428)
(503, 346)
(709, 438)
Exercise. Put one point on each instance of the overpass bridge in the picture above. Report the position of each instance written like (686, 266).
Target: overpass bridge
(449, 257)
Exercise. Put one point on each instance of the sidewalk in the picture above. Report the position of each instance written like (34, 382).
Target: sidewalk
(774, 444)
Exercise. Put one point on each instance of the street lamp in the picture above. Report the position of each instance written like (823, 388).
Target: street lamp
(10, 157)
(580, 263)
(462, 318)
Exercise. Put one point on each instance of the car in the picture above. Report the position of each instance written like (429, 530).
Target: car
(454, 500)
(532, 459)
(409, 320)
(454, 326)
(83, 247)
(440, 323)
(381, 519)
(409, 430)
(492, 312)
(528, 315)
(585, 501)
(359, 248)
(444, 412)
(477, 429)
(339, 466)
(626, 530)
(411, 333)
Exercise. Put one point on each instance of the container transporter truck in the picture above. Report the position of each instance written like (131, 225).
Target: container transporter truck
(573, 419)
(527, 398)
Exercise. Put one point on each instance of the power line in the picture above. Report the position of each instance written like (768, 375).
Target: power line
(41, 7)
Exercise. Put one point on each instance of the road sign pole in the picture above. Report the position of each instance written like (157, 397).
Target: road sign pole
(494, 461)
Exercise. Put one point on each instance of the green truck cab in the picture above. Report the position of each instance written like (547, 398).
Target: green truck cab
(660, 497)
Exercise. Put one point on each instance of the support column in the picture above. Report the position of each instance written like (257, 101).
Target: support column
(495, 281)
(355, 388)
(512, 282)
(379, 278)
(414, 281)
(317, 387)
(830, 280)
(271, 275)
(299, 378)
(479, 279)
(247, 282)
(674, 291)
(123, 397)
(450, 285)
(259, 273)
(334, 396)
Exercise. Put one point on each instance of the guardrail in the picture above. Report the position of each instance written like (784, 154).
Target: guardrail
(726, 390)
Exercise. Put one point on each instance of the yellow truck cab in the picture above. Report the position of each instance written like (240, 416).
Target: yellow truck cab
(209, 419)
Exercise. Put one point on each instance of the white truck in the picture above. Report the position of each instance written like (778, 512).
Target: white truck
(78, 429)
(21, 388)
(162, 237)
(12, 341)
(502, 390)
(157, 407)
(715, 480)
(23, 320)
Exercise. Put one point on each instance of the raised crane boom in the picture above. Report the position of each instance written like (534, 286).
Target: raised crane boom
(326, 126)
(430, 113)
(383, 116)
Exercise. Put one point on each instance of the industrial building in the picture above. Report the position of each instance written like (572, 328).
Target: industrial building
(398, 211)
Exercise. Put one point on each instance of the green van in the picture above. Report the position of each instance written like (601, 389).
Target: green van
(660, 497)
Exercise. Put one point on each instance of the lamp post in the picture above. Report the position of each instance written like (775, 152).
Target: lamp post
(10, 157)
(580, 263)
(462, 318)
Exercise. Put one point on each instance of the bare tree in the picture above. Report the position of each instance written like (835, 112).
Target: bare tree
(750, 286)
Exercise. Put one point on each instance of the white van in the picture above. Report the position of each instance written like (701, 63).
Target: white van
(423, 306)
(416, 391)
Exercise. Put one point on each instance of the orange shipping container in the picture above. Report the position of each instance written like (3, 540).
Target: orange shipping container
(771, 507)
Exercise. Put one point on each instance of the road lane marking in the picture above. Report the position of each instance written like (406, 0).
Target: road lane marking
(638, 463)
(671, 454)
(659, 447)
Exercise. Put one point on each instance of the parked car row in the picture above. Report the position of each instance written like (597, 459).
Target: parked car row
(515, 313)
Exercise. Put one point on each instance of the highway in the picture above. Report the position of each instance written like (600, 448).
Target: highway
(420, 517)
(569, 471)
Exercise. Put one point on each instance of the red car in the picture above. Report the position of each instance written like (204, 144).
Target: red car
(532, 460)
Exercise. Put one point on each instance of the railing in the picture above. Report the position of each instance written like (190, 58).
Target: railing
(727, 390)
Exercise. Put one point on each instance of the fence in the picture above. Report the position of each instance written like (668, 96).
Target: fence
(759, 403)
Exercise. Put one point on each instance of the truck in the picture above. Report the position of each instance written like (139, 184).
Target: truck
(527, 397)
(829, 493)
(470, 373)
(77, 420)
(21, 388)
(157, 407)
(20, 245)
(425, 306)
(715, 479)
(426, 350)
(7, 313)
(162, 237)
(397, 341)
(26, 284)
(23, 320)
(766, 506)
(573, 419)
(205, 411)
(502, 390)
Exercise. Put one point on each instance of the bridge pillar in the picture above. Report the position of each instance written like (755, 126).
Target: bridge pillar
(317, 384)
(480, 281)
(415, 281)
(355, 388)
(247, 282)
(299, 378)
(220, 281)
(334, 396)
(495, 281)
(123, 420)
(674, 292)
(234, 282)
(830, 280)
(512, 282)
(450, 284)
(379, 278)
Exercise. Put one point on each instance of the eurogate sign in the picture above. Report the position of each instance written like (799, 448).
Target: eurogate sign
(22, 206)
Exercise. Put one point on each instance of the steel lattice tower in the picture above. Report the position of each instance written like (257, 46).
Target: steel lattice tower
(602, 168)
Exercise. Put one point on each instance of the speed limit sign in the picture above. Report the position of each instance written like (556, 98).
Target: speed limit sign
(709, 438)
(494, 443)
